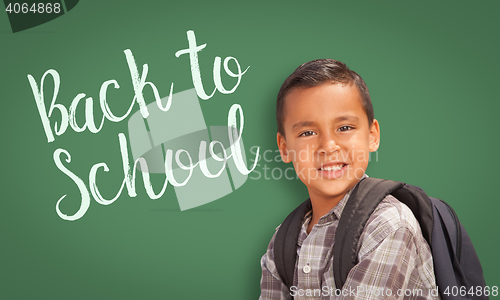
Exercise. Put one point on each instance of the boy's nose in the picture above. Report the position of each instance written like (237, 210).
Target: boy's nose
(328, 145)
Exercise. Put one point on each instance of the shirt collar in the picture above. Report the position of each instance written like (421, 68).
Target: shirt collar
(335, 212)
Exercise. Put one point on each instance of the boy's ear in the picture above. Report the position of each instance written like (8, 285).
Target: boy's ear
(283, 149)
(374, 136)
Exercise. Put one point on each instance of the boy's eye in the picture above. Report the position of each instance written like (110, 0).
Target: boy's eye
(307, 133)
(345, 128)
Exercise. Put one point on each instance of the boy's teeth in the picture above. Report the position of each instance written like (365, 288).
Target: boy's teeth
(334, 168)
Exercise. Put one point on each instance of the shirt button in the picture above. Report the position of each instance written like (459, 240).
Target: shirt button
(306, 269)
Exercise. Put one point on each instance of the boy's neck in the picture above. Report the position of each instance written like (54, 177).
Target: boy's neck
(322, 204)
(320, 207)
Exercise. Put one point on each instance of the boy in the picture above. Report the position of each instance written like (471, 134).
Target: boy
(326, 128)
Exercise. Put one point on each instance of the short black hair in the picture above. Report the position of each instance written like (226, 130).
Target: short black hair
(317, 72)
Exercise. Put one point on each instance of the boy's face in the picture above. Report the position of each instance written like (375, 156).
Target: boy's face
(327, 138)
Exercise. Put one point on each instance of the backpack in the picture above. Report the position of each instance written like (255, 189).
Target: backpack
(456, 264)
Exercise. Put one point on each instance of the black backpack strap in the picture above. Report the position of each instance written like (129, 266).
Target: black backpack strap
(418, 201)
(285, 243)
(364, 199)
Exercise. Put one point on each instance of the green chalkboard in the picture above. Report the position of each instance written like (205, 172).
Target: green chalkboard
(431, 66)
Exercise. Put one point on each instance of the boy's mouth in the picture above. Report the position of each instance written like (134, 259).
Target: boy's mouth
(332, 167)
(332, 170)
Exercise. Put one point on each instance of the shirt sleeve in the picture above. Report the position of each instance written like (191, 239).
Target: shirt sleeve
(271, 285)
(395, 262)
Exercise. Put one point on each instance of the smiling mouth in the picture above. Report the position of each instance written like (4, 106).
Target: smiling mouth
(337, 167)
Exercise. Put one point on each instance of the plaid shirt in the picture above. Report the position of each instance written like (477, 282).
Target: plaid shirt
(395, 261)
